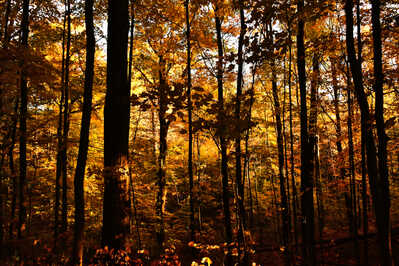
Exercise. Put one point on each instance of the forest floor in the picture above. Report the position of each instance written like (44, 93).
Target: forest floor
(337, 251)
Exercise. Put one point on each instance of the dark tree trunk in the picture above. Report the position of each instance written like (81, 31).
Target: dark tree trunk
(59, 144)
(378, 184)
(239, 180)
(314, 139)
(161, 172)
(22, 122)
(222, 138)
(247, 155)
(64, 152)
(280, 151)
(340, 161)
(12, 169)
(6, 20)
(364, 195)
(190, 125)
(116, 129)
(382, 185)
(306, 150)
(352, 178)
(293, 183)
(84, 136)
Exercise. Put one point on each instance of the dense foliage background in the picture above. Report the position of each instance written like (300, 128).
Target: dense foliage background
(253, 90)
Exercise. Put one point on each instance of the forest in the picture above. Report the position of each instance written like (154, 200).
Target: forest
(199, 132)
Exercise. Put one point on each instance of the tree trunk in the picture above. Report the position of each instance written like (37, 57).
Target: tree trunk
(84, 136)
(306, 150)
(190, 124)
(352, 178)
(247, 155)
(382, 184)
(239, 180)
(378, 184)
(340, 161)
(222, 137)
(293, 183)
(64, 152)
(314, 139)
(280, 152)
(59, 144)
(22, 122)
(116, 207)
(6, 19)
(161, 172)
(12, 169)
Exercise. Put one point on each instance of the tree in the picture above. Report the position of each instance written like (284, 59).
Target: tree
(306, 150)
(84, 136)
(378, 185)
(190, 123)
(221, 132)
(22, 121)
(116, 207)
(382, 183)
(239, 180)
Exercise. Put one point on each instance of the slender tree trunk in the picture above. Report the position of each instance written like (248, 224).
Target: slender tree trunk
(84, 136)
(116, 205)
(247, 156)
(12, 169)
(199, 184)
(306, 151)
(280, 152)
(161, 172)
(363, 140)
(384, 204)
(239, 180)
(293, 183)
(378, 184)
(364, 195)
(132, 193)
(222, 137)
(64, 156)
(314, 139)
(286, 179)
(13, 128)
(59, 140)
(6, 20)
(22, 122)
(190, 125)
(352, 177)
(340, 161)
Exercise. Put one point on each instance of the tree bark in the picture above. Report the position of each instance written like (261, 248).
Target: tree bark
(352, 177)
(64, 151)
(306, 151)
(239, 180)
(190, 125)
(59, 141)
(280, 152)
(340, 161)
(378, 184)
(22, 122)
(384, 204)
(161, 172)
(84, 136)
(6, 20)
(222, 137)
(293, 182)
(116, 207)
